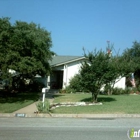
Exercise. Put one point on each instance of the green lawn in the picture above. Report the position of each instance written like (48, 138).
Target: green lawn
(120, 104)
(9, 104)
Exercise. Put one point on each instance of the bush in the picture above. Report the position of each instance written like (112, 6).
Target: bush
(138, 88)
(135, 90)
(62, 91)
(119, 91)
(45, 108)
(75, 85)
(36, 86)
(127, 91)
(68, 89)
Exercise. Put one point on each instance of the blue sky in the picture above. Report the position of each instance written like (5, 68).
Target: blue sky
(75, 24)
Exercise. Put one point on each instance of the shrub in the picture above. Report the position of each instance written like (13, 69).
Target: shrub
(138, 88)
(135, 90)
(45, 108)
(68, 89)
(75, 85)
(62, 91)
(119, 91)
(36, 86)
(127, 91)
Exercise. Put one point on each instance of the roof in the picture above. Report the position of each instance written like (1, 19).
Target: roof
(60, 60)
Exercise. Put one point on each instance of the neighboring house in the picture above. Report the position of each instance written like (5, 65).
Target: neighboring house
(65, 67)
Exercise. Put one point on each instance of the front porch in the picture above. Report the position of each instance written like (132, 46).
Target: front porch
(56, 80)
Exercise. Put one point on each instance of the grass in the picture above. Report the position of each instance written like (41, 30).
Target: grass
(120, 104)
(11, 103)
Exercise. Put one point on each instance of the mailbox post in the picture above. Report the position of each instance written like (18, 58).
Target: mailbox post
(44, 90)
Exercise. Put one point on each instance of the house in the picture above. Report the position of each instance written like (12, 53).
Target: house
(65, 67)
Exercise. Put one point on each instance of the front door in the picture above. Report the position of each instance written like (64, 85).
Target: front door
(56, 80)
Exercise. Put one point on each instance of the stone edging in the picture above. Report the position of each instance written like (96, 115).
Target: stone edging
(68, 104)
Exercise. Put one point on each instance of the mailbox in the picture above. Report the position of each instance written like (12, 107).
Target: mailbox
(44, 90)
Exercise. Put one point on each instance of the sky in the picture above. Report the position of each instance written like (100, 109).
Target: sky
(75, 24)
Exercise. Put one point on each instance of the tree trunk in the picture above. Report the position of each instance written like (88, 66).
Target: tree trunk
(94, 97)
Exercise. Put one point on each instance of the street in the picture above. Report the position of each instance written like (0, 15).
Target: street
(67, 128)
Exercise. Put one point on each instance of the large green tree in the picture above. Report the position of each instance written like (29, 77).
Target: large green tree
(102, 69)
(25, 48)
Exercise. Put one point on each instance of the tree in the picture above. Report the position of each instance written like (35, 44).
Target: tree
(25, 48)
(100, 69)
(133, 54)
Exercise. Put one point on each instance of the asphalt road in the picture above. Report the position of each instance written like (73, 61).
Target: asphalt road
(67, 128)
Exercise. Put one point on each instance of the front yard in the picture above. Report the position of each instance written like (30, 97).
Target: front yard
(111, 104)
(120, 104)
(9, 104)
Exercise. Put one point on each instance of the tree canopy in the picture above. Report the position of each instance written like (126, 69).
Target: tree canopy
(102, 69)
(133, 54)
(24, 47)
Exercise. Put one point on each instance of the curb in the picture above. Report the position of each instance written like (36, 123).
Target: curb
(21, 115)
(98, 115)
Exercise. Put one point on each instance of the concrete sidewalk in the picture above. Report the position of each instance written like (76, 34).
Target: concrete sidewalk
(31, 109)
(28, 109)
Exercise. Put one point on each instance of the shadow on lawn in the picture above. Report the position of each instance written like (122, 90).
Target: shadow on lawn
(55, 96)
(6, 97)
(51, 96)
(100, 99)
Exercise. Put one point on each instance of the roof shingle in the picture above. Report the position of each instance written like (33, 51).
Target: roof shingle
(63, 59)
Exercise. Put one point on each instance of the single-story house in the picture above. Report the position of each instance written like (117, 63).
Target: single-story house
(65, 67)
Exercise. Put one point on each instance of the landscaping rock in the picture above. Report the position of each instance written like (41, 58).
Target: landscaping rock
(69, 104)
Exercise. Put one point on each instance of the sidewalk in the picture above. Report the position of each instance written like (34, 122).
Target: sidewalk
(28, 109)
(32, 108)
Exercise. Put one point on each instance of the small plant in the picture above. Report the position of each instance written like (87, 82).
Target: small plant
(119, 91)
(43, 107)
(62, 91)
(127, 91)
(122, 91)
(135, 90)
(69, 90)
(138, 88)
